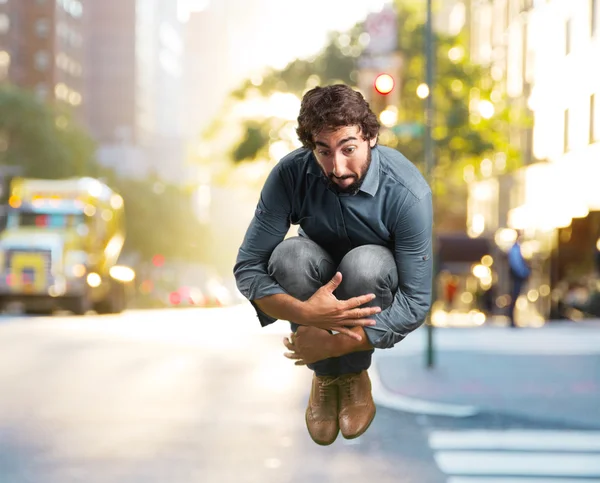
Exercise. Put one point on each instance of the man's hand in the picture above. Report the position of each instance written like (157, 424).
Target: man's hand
(324, 311)
(308, 345)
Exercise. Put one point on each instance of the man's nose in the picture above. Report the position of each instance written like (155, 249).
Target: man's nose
(339, 165)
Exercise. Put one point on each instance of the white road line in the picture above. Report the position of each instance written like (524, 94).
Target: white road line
(519, 464)
(478, 479)
(568, 441)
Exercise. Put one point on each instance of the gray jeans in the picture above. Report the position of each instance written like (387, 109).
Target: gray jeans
(301, 267)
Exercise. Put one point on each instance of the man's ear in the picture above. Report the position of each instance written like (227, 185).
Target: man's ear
(373, 142)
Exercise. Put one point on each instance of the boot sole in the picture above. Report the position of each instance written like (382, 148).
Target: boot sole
(354, 436)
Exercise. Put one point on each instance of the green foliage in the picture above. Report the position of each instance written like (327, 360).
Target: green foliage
(461, 136)
(47, 143)
(42, 139)
(159, 219)
(256, 138)
(335, 64)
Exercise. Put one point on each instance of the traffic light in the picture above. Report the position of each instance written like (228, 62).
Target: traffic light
(382, 96)
(384, 84)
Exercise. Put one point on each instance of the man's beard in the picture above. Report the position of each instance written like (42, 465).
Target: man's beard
(353, 188)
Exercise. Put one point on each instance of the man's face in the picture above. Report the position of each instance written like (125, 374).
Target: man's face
(344, 156)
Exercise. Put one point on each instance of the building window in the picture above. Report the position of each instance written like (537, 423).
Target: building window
(42, 28)
(41, 60)
(594, 122)
(4, 23)
(593, 17)
(566, 132)
(568, 37)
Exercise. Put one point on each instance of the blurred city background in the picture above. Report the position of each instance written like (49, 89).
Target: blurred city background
(135, 136)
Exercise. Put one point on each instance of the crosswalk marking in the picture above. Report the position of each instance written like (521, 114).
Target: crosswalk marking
(477, 479)
(505, 463)
(517, 440)
(517, 456)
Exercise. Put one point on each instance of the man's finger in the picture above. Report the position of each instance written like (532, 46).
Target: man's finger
(356, 322)
(355, 302)
(299, 363)
(288, 344)
(334, 282)
(348, 332)
(362, 313)
(292, 355)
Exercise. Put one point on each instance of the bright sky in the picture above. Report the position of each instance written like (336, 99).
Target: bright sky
(282, 30)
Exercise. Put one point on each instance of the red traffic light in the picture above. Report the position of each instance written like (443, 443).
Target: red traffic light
(384, 84)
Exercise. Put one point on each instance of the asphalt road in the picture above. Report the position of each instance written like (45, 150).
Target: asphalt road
(207, 396)
(175, 396)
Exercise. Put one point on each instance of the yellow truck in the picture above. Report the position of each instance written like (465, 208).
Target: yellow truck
(61, 245)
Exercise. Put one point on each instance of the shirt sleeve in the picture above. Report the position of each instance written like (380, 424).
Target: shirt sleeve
(267, 229)
(414, 261)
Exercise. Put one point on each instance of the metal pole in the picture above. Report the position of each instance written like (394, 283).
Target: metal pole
(429, 161)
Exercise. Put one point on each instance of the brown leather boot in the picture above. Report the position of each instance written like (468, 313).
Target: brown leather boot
(322, 410)
(357, 409)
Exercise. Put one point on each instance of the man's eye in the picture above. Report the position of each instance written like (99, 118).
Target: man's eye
(324, 153)
(350, 150)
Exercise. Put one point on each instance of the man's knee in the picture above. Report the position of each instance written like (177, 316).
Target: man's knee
(369, 269)
(300, 266)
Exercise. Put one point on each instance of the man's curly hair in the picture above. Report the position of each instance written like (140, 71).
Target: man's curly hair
(332, 107)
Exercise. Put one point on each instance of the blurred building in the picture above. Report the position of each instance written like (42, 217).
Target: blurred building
(41, 48)
(135, 86)
(542, 56)
(112, 112)
(206, 68)
(222, 47)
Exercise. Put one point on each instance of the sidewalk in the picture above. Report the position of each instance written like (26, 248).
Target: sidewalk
(551, 373)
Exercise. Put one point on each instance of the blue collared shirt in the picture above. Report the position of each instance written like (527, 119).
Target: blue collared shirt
(393, 208)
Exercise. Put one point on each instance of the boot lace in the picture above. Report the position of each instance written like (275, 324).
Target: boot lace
(347, 385)
(326, 387)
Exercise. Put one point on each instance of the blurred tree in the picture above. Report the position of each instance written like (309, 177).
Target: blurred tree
(472, 116)
(335, 63)
(256, 138)
(159, 219)
(47, 143)
(43, 139)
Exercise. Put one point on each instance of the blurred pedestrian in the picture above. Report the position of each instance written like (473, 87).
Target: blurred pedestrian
(519, 273)
(450, 282)
(359, 274)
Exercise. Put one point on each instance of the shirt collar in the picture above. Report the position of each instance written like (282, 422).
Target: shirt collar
(371, 182)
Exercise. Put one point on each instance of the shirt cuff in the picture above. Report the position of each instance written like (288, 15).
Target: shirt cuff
(263, 318)
(382, 337)
(263, 286)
